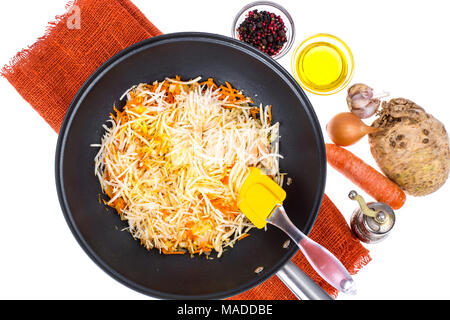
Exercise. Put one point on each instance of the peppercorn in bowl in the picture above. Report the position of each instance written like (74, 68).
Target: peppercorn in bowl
(266, 26)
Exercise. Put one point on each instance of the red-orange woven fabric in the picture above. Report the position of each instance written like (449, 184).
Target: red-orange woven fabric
(49, 73)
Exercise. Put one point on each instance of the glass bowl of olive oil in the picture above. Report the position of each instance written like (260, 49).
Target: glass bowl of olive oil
(323, 64)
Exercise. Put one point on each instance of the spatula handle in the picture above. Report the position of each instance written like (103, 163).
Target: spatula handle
(300, 283)
(322, 260)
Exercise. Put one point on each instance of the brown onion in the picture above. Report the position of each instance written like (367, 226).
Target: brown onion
(346, 129)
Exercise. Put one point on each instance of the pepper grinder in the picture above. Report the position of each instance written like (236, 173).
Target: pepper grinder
(371, 222)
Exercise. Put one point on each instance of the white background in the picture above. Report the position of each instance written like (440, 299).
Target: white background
(399, 46)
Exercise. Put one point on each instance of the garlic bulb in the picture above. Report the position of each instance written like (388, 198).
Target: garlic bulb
(361, 101)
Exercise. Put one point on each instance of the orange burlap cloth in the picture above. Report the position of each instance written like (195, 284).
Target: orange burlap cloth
(49, 73)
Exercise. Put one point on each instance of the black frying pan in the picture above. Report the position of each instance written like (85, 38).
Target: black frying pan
(189, 55)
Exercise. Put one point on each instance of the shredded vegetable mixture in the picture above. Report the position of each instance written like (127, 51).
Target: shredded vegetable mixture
(173, 160)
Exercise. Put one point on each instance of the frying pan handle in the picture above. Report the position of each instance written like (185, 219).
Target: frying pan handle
(301, 284)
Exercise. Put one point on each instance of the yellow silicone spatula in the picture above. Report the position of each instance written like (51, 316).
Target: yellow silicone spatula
(261, 200)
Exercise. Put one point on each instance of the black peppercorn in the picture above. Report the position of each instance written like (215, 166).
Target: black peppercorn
(263, 30)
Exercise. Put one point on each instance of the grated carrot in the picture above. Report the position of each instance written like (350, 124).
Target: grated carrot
(174, 158)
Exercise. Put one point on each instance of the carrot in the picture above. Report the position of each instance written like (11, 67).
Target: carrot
(210, 83)
(254, 112)
(172, 252)
(364, 176)
(245, 235)
(270, 114)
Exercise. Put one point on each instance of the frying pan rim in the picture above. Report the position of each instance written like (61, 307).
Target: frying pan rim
(131, 50)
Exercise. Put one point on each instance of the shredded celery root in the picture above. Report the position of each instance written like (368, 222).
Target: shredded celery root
(173, 160)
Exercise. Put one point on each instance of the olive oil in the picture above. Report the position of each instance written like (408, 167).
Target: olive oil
(321, 64)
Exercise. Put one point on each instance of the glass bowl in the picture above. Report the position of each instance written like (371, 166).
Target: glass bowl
(328, 40)
(273, 8)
